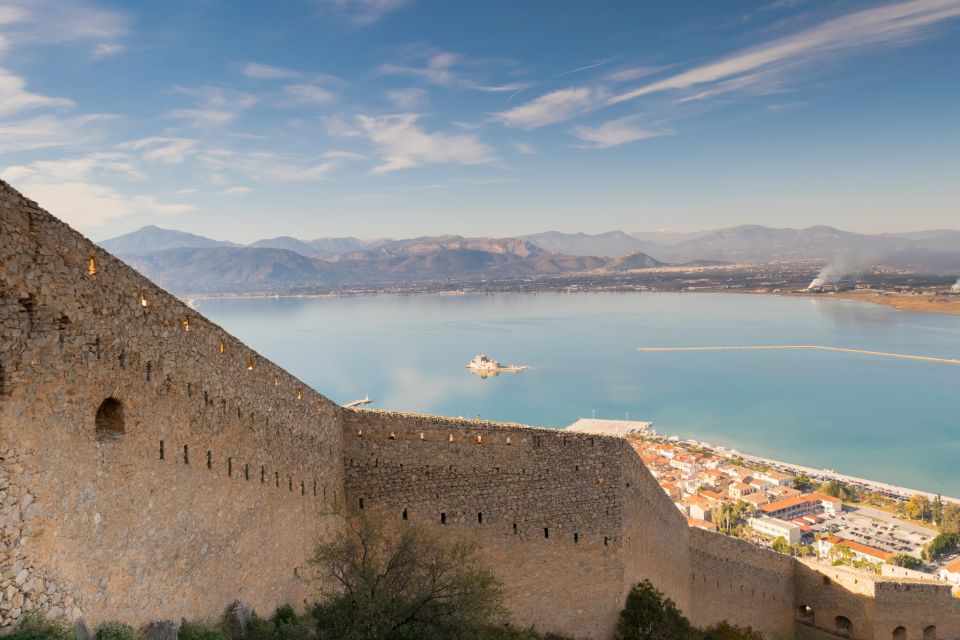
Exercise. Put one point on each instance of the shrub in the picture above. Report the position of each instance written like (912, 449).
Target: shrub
(905, 560)
(116, 631)
(727, 631)
(649, 615)
(943, 543)
(193, 631)
(34, 625)
(411, 586)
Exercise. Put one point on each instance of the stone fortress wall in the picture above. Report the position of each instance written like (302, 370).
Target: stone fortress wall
(210, 475)
(152, 466)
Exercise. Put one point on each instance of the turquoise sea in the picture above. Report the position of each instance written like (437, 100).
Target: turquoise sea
(891, 420)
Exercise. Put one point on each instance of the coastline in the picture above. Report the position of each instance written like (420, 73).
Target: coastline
(915, 303)
(920, 303)
(817, 474)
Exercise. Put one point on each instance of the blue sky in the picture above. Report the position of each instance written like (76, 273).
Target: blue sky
(243, 120)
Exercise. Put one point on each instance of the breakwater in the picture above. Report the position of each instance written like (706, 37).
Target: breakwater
(864, 352)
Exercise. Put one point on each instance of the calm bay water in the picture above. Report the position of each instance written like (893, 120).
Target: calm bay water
(892, 420)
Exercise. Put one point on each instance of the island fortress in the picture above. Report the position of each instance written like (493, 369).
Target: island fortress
(152, 466)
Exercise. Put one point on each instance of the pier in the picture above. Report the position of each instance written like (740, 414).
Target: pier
(863, 352)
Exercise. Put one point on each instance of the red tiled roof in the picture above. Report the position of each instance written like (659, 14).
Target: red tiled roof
(862, 548)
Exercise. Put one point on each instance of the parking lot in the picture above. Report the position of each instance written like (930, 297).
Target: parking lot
(877, 529)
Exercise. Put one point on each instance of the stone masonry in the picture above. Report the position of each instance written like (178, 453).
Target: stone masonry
(152, 466)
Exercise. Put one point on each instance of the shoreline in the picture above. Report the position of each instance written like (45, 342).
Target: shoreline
(911, 303)
(817, 474)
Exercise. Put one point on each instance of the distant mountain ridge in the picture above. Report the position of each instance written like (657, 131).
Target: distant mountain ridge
(187, 262)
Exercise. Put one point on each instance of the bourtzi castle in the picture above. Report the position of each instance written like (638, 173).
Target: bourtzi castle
(153, 466)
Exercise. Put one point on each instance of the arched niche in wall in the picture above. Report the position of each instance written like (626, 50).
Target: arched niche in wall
(110, 423)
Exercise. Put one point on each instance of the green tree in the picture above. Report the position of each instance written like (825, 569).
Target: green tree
(833, 489)
(733, 516)
(411, 586)
(727, 631)
(937, 510)
(803, 482)
(941, 544)
(905, 560)
(649, 615)
(780, 545)
(950, 520)
(919, 508)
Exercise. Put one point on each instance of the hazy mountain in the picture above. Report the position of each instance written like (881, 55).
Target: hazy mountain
(286, 263)
(755, 243)
(153, 238)
(667, 238)
(637, 260)
(325, 247)
(288, 244)
(612, 244)
(230, 269)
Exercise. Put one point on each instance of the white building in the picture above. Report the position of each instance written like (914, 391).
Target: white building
(776, 528)
(951, 572)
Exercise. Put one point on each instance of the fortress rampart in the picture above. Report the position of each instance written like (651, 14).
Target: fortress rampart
(152, 466)
(208, 476)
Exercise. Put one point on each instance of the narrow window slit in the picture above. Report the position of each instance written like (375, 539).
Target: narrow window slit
(404, 514)
(480, 518)
(209, 459)
(514, 528)
(186, 454)
(546, 532)
(361, 503)
(161, 449)
(443, 518)
(230, 467)
(576, 537)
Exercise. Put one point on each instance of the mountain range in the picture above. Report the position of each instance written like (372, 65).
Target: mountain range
(186, 262)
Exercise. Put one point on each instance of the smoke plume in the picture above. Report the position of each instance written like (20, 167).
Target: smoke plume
(851, 263)
(956, 286)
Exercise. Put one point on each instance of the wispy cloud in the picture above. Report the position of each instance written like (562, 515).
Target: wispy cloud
(587, 67)
(403, 144)
(360, 12)
(218, 106)
(619, 131)
(258, 71)
(63, 22)
(525, 148)
(236, 191)
(70, 187)
(269, 166)
(446, 69)
(46, 131)
(106, 49)
(552, 108)
(309, 94)
(161, 149)
(406, 99)
(890, 24)
(14, 97)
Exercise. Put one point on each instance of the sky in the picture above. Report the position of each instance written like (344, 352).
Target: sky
(242, 119)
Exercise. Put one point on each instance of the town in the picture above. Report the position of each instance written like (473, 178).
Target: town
(814, 515)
